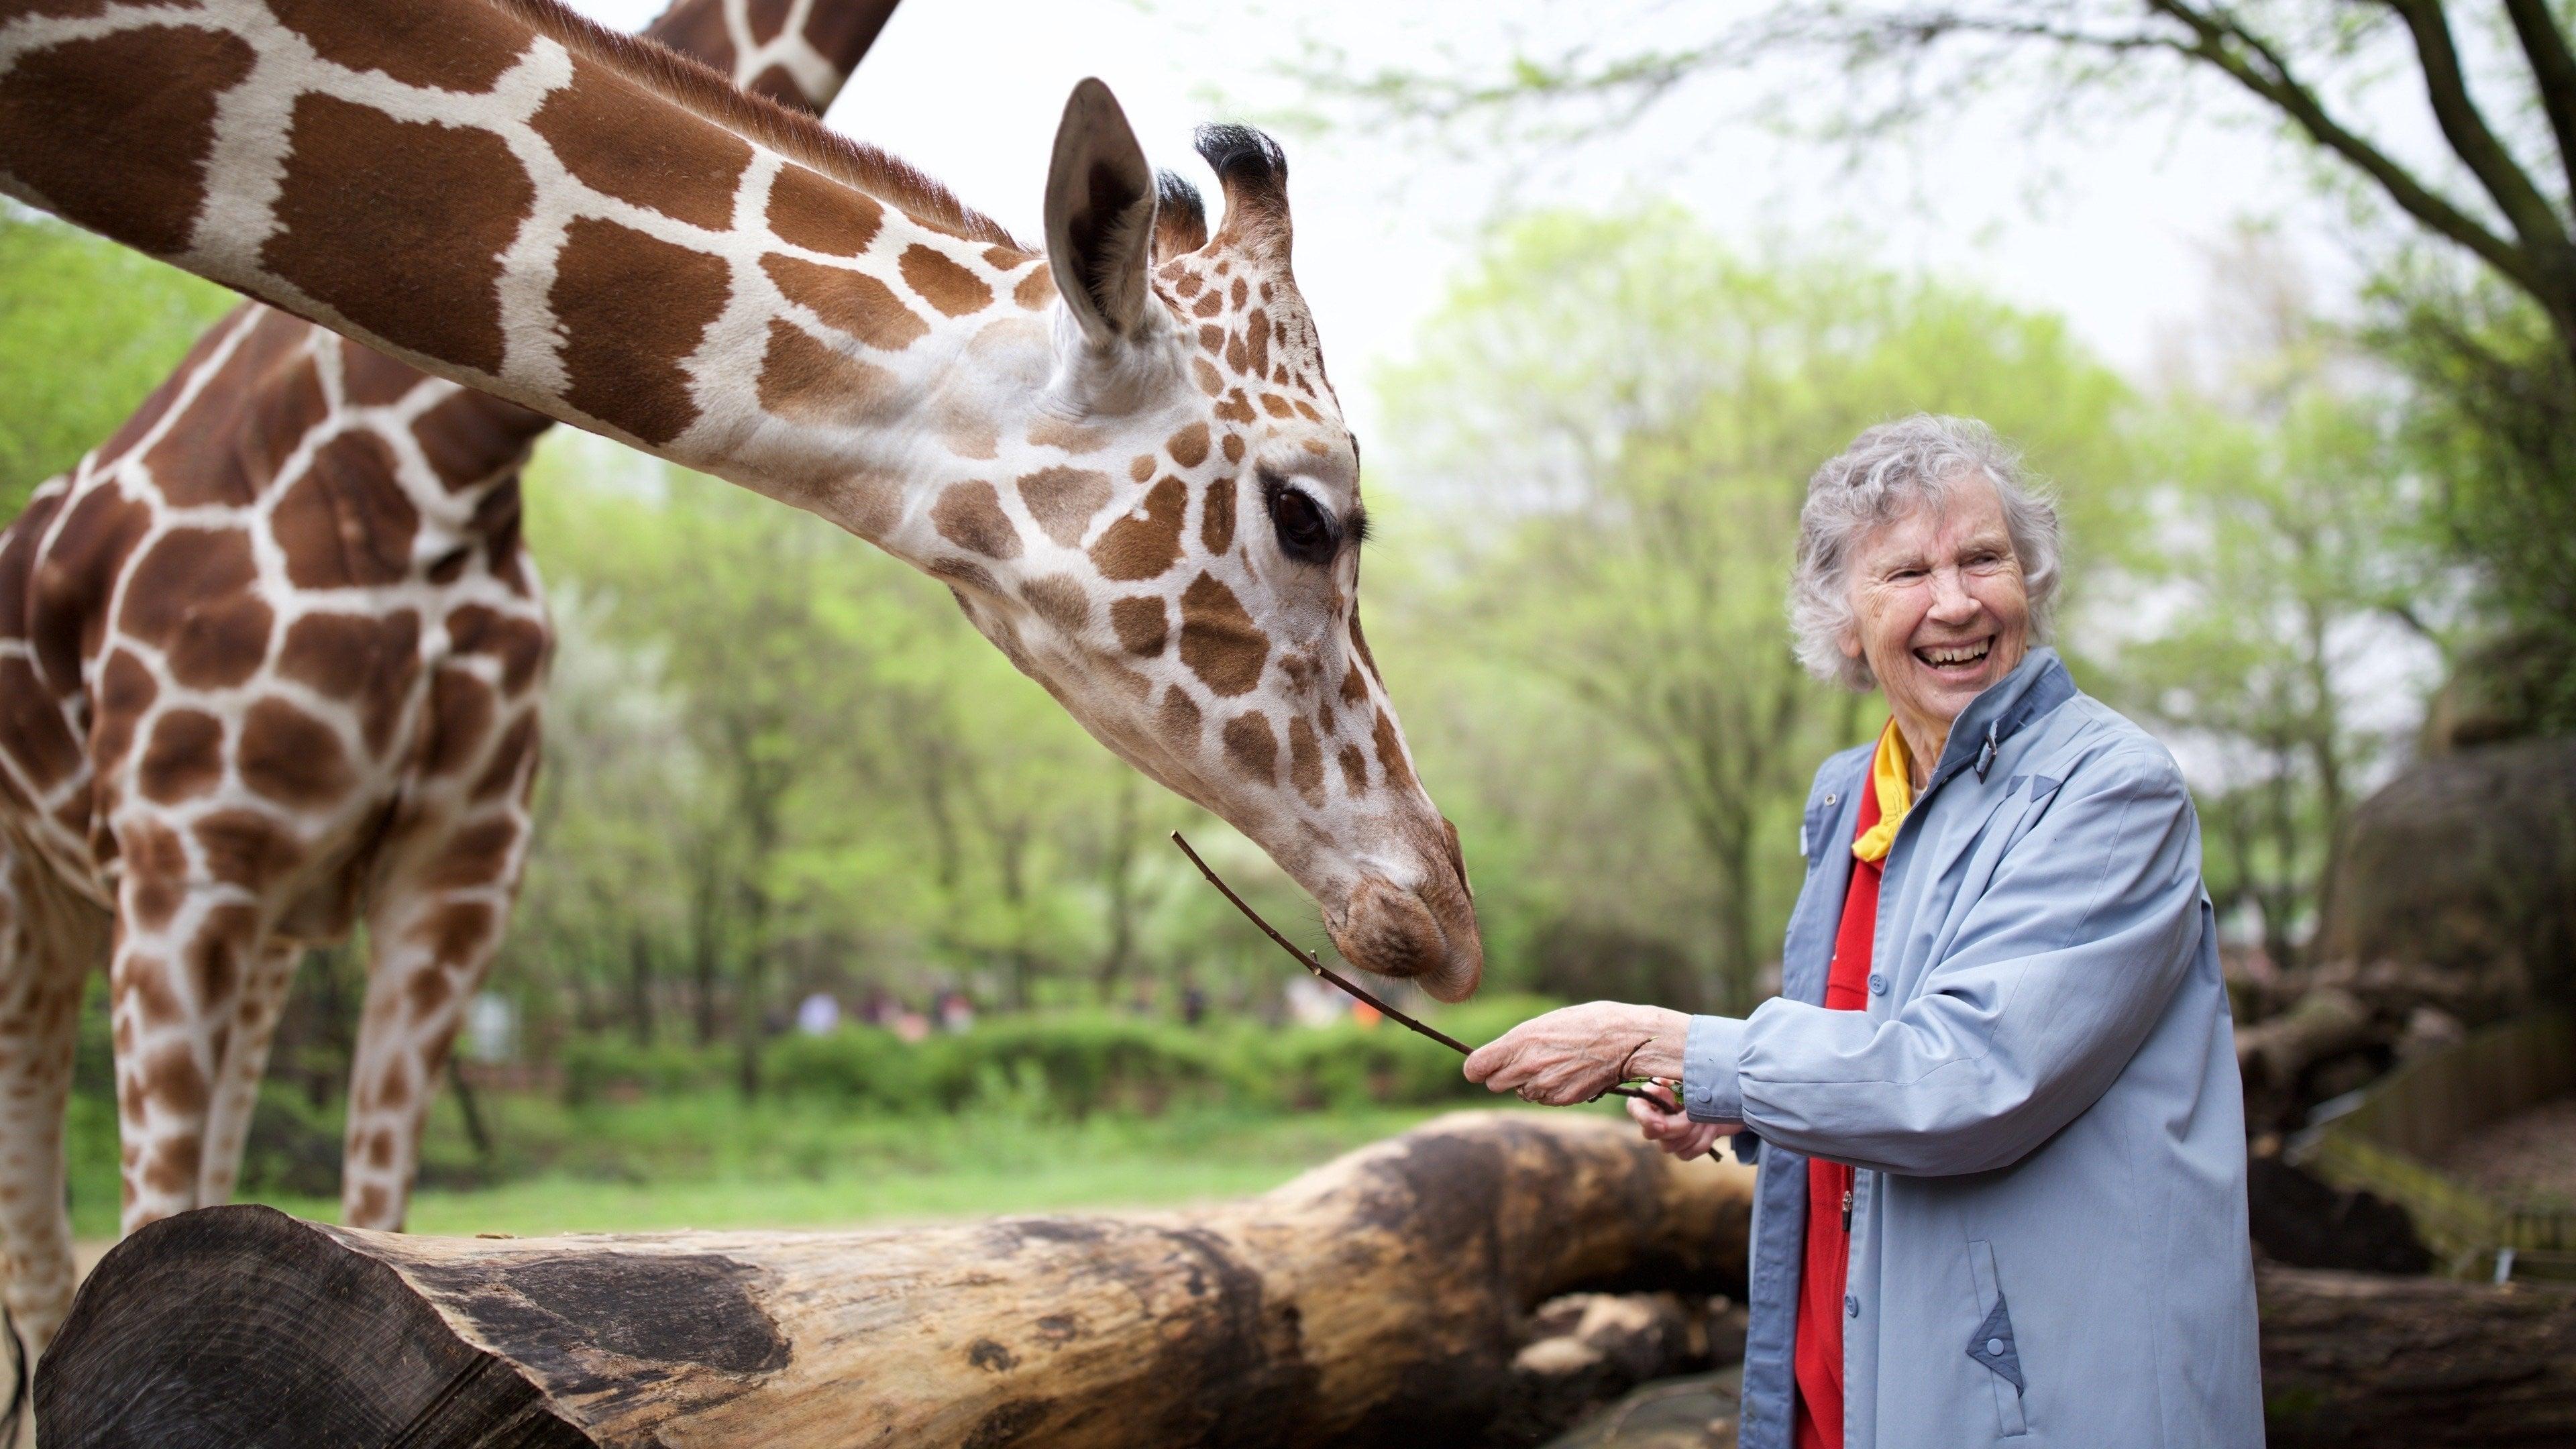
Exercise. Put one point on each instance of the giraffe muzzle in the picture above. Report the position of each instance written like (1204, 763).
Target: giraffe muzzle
(1427, 936)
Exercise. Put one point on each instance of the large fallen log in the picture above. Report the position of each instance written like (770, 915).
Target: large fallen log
(2366, 1361)
(1379, 1300)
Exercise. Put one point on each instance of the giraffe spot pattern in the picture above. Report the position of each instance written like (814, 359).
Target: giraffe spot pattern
(970, 516)
(1354, 770)
(476, 855)
(184, 757)
(31, 729)
(1178, 720)
(1036, 290)
(472, 436)
(820, 215)
(247, 848)
(1252, 746)
(369, 379)
(460, 717)
(73, 117)
(331, 243)
(686, 172)
(1216, 517)
(1133, 547)
(1064, 500)
(510, 767)
(1219, 641)
(1142, 622)
(804, 381)
(518, 643)
(623, 344)
(942, 282)
(1390, 755)
(182, 568)
(261, 401)
(422, 46)
(291, 757)
(125, 691)
(1305, 762)
(1060, 601)
(67, 599)
(847, 301)
(358, 657)
(1189, 446)
(347, 523)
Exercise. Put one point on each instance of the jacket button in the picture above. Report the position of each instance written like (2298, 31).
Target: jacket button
(1877, 984)
(1994, 1348)
(1833, 799)
(1851, 1306)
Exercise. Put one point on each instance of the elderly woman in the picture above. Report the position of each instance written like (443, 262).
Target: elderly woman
(1995, 1107)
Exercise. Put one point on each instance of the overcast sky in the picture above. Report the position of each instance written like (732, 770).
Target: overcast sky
(2111, 229)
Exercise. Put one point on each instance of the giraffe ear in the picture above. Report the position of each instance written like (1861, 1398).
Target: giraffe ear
(1099, 215)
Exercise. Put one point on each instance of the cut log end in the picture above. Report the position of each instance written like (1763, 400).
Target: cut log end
(242, 1325)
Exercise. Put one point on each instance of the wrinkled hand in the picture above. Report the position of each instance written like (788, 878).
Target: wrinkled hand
(1665, 1126)
(1575, 1053)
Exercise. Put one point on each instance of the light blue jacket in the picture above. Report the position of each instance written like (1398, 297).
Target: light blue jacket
(2048, 1228)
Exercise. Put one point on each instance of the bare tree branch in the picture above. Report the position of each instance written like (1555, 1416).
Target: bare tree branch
(2553, 67)
(2471, 138)
(2254, 63)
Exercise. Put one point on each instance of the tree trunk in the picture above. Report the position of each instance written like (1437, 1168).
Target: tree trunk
(1379, 1300)
(2359, 1359)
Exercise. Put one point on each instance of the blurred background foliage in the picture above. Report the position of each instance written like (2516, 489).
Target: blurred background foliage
(780, 768)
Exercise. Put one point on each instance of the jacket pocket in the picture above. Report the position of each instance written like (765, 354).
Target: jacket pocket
(1992, 1345)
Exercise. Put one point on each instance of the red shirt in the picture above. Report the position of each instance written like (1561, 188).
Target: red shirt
(1819, 1351)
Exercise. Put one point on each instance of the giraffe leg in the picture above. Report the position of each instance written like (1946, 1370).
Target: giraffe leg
(182, 949)
(433, 929)
(46, 956)
(245, 1062)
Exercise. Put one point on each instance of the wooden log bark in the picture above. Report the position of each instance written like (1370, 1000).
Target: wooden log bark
(2366, 1361)
(1379, 1300)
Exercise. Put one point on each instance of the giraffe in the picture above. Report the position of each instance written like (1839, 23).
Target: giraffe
(1119, 451)
(375, 514)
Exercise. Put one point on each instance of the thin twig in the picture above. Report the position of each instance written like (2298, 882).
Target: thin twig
(1322, 972)
(1307, 958)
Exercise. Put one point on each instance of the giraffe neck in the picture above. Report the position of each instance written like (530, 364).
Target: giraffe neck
(796, 52)
(539, 209)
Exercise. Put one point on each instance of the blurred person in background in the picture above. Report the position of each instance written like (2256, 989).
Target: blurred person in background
(1995, 1108)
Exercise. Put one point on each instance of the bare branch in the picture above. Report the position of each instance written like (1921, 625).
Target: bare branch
(2471, 138)
(2553, 68)
(2255, 64)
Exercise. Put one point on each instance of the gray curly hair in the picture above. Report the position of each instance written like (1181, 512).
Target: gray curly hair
(1886, 473)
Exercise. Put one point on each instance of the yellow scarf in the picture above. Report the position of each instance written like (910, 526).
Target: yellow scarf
(1891, 774)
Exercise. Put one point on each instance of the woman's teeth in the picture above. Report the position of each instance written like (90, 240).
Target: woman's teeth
(1955, 654)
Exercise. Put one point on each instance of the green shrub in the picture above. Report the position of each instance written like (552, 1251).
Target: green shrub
(609, 1066)
(1072, 1064)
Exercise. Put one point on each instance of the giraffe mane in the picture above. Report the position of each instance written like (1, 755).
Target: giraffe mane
(799, 137)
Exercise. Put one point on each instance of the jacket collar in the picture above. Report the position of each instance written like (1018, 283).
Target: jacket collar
(2036, 686)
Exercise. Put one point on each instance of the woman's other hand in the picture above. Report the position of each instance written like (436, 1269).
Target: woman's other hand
(1662, 1121)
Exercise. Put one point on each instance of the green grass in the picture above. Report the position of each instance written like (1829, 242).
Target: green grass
(709, 1160)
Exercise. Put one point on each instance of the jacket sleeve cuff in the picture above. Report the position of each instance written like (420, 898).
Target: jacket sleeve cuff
(1711, 1091)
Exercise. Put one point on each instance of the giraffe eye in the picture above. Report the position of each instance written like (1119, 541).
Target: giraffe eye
(1306, 531)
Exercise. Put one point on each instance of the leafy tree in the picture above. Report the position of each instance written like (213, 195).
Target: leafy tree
(2477, 279)
(87, 329)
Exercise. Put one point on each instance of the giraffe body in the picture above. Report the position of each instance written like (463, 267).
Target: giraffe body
(271, 661)
(1120, 451)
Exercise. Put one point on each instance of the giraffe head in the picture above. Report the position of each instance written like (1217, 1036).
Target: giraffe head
(1173, 547)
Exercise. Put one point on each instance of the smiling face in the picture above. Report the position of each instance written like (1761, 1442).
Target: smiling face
(1939, 609)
